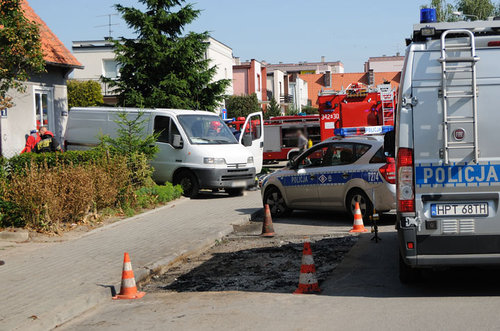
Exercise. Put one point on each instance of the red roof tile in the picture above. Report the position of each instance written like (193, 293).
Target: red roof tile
(54, 50)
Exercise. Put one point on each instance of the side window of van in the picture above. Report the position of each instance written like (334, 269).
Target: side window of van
(173, 131)
(161, 127)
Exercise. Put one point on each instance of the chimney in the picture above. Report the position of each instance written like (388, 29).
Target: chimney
(371, 77)
(236, 61)
(323, 59)
(328, 79)
(397, 54)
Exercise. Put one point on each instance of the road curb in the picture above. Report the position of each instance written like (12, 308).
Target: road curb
(84, 303)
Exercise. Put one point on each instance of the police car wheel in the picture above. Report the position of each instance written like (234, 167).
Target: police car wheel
(276, 202)
(365, 205)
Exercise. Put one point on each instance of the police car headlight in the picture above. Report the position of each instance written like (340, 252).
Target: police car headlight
(213, 160)
(250, 159)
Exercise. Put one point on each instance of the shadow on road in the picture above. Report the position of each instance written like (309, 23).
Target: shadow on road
(371, 270)
(274, 268)
(325, 218)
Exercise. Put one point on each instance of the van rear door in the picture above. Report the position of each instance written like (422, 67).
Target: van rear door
(254, 127)
(456, 193)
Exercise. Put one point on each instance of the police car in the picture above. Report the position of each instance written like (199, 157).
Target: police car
(334, 175)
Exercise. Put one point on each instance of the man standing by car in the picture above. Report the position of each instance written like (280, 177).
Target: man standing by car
(47, 142)
(301, 141)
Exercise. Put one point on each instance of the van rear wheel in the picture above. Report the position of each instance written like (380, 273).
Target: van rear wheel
(189, 183)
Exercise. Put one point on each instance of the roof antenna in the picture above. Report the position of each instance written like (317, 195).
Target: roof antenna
(109, 25)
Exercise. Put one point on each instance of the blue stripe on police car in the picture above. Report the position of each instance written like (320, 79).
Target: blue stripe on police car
(329, 178)
(457, 174)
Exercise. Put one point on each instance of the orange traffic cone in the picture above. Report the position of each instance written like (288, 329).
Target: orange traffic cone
(308, 283)
(128, 289)
(267, 226)
(358, 225)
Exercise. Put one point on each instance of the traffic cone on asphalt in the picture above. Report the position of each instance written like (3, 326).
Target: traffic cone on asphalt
(308, 283)
(267, 226)
(128, 288)
(358, 225)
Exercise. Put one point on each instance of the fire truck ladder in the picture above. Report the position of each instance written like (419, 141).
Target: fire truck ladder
(460, 64)
(388, 105)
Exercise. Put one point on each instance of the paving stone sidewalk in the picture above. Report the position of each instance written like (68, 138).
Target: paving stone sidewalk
(49, 286)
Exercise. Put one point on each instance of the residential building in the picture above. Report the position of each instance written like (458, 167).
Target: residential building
(45, 101)
(250, 77)
(277, 88)
(384, 63)
(319, 82)
(308, 67)
(299, 91)
(99, 59)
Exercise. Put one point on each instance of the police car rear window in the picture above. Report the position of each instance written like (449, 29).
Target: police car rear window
(379, 157)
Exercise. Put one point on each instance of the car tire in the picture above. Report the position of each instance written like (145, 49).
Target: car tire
(276, 202)
(189, 183)
(407, 274)
(235, 192)
(365, 204)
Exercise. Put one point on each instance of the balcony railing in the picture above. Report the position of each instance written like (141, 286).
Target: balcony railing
(286, 98)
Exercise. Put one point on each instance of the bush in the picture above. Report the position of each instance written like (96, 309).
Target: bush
(150, 196)
(84, 93)
(242, 105)
(20, 163)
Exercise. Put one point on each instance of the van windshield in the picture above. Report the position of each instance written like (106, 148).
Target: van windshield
(206, 129)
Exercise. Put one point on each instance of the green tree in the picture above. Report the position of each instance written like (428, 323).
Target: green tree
(242, 105)
(481, 9)
(84, 93)
(132, 142)
(291, 110)
(162, 67)
(273, 109)
(20, 49)
(130, 138)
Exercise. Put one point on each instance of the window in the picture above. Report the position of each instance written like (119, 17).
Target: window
(253, 128)
(44, 110)
(206, 129)
(258, 82)
(379, 157)
(166, 128)
(162, 128)
(317, 157)
(361, 149)
(111, 69)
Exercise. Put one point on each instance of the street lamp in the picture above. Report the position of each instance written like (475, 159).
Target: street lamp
(461, 14)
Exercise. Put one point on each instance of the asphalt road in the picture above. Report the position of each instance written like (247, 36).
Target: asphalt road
(362, 293)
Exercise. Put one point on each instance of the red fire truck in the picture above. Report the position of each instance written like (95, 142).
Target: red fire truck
(280, 134)
(356, 111)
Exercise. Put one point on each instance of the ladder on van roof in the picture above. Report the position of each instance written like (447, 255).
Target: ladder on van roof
(460, 64)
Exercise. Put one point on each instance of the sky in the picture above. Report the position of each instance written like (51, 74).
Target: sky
(271, 30)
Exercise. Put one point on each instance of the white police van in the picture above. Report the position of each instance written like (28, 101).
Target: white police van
(448, 147)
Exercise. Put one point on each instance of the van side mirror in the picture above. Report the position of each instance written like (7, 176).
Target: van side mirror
(177, 141)
(246, 140)
(390, 144)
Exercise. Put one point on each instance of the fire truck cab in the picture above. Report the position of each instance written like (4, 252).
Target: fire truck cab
(357, 110)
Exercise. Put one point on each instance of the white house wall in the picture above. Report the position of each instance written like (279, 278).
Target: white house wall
(21, 119)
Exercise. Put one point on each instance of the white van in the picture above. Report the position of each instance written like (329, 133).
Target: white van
(448, 155)
(196, 148)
